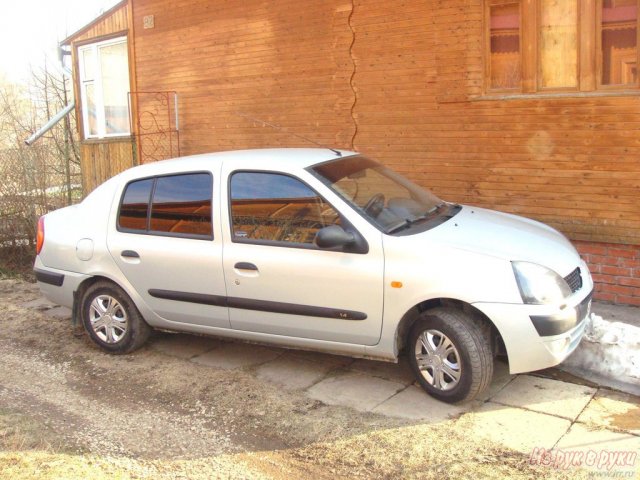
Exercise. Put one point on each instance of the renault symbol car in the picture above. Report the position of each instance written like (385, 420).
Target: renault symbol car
(321, 250)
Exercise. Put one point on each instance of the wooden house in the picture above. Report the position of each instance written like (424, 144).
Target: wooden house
(526, 106)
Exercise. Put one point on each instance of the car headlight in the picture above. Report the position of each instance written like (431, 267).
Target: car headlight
(539, 285)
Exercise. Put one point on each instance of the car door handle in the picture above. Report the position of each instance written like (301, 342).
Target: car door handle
(245, 266)
(130, 254)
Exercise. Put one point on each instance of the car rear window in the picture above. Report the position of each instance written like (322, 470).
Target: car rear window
(175, 205)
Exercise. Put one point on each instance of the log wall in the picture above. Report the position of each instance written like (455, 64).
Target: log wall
(403, 84)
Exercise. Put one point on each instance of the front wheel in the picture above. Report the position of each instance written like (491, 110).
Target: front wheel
(111, 319)
(450, 355)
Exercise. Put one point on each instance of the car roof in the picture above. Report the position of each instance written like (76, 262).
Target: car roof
(285, 159)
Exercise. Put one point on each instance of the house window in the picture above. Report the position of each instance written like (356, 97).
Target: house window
(104, 88)
(619, 42)
(504, 45)
(558, 43)
(561, 45)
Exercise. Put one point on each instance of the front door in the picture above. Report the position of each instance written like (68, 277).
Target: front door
(164, 245)
(278, 281)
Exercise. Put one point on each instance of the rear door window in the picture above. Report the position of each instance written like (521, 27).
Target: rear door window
(170, 205)
(134, 208)
(182, 205)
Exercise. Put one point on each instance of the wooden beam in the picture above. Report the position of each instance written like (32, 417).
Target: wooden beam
(529, 46)
(587, 45)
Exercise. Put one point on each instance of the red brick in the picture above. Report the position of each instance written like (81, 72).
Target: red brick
(616, 289)
(628, 300)
(617, 271)
(592, 248)
(597, 278)
(628, 281)
(627, 263)
(594, 268)
(604, 260)
(623, 252)
(604, 297)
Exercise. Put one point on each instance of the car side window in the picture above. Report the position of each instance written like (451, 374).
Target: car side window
(182, 204)
(171, 205)
(135, 205)
(272, 207)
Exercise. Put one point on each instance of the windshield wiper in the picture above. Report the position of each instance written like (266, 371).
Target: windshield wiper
(408, 222)
(435, 209)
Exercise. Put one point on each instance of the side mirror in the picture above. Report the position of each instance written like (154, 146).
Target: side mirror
(333, 236)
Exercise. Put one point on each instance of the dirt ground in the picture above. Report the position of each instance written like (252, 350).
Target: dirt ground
(67, 410)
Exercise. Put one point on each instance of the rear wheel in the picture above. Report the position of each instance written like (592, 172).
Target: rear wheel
(111, 319)
(450, 354)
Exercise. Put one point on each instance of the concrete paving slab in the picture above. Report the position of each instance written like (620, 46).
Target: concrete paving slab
(355, 390)
(396, 372)
(292, 373)
(613, 410)
(229, 356)
(39, 304)
(544, 395)
(415, 404)
(183, 345)
(59, 312)
(515, 428)
(501, 378)
(615, 455)
(324, 358)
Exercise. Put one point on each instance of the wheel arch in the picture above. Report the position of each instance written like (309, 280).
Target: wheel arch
(410, 317)
(84, 285)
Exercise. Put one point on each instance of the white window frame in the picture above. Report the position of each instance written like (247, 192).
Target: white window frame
(99, 93)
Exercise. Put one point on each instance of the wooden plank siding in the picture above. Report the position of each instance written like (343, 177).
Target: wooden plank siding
(114, 21)
(414, 101)
(284, 62)
(100, 159)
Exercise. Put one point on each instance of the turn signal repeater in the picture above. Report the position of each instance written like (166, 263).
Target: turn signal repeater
(396, 284)
(40, 235)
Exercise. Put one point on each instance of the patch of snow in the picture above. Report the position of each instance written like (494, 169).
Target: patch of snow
(609, 350)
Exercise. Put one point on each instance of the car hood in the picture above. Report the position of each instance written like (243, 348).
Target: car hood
(506, 236)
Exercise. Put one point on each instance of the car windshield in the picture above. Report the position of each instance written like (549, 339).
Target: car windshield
(392, 203)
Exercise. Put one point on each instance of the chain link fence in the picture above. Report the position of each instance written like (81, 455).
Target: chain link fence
(33, 181)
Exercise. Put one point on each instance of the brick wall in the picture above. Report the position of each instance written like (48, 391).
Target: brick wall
(615, 269)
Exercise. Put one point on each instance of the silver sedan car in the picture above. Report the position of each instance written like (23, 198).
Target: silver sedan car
(316, 249)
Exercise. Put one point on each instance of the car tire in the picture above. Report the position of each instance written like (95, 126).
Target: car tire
(111, 319)
(450, 354)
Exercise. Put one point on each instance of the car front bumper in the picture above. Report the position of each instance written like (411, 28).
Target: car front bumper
(539, 336)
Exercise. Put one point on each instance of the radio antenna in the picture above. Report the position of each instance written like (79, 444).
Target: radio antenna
(279, 127)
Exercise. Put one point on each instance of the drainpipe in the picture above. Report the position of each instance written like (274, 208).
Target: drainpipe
(50, 124)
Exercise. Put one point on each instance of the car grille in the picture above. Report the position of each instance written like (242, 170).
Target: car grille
(574, 280)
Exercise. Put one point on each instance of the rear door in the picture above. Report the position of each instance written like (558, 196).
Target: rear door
(165, 244)
(278, 281)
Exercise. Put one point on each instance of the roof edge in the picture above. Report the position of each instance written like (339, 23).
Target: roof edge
(93, 22)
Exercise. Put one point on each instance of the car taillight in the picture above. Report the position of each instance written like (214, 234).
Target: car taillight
(40, 236)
